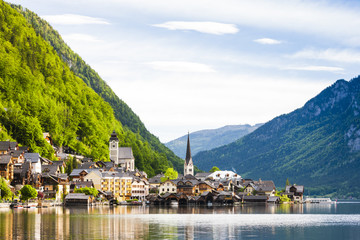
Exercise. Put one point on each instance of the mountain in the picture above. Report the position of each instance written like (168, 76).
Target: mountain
(122, 111)
(40, 93)
(317, 145)
(211, 138)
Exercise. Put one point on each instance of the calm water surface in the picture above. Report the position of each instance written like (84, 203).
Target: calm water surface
(337, 221)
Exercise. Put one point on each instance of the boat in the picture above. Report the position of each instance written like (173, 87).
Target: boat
(319, 200)
(16, 204)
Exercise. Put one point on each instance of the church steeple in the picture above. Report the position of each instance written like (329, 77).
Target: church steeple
(188, 151)
(188, 164)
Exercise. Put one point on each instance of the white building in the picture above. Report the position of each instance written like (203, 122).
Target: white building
(225, 176)
(139, 189)
(34, 158)
(167, 187)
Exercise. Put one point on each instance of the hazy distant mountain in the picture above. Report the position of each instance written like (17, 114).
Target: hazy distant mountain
(317, 145)
(211, 138)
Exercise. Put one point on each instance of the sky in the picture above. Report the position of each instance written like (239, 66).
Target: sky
(191, 65)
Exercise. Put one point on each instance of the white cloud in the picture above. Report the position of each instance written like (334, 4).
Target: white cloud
(268, 41)
(80, 37)
(336, 55)
(203, 27)
(317, 68)
(181, 66)
(73, 19)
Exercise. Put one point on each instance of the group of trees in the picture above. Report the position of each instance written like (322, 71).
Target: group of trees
(5, 192)
(40, 93)
(169, 174)
(87, 191)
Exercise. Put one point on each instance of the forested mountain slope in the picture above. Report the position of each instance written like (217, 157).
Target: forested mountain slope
(211, 138)
(122, 111)
(317, 145)
(39, 93)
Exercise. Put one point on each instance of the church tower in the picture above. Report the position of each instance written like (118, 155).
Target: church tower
(188, 164)
(114, 148)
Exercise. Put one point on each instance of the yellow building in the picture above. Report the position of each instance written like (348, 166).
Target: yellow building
(117, 183)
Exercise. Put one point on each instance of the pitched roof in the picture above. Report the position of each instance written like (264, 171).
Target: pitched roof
(264, 186)
(76, 196)
(4, 145)
(202, 174)
(299, 188)
(188, 151)
(32, 157)
(13, 145)
(87, 165)
(49, 169)
(5, 159)
(17, 153)
(125, 152)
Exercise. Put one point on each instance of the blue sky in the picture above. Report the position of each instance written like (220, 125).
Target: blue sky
(191, 65)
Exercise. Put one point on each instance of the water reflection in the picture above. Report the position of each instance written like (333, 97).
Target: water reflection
(139, 222)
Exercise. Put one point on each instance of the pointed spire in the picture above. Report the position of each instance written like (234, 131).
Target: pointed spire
(188, 150)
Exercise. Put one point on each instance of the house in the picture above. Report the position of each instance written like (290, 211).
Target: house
(139, 189)
(55, 185)
(121, 156)
(186, 187)
(34, 158)
(94, 177)
(167, 186)
(204, 186)
(250, 188)
(22, 174)
(7, 146)
(260, 188)
(80, 184)
(17, 156)
(156, 180)
(265, 188)
(6, 167)
(77, 199)
(295, 192)
(79, 174)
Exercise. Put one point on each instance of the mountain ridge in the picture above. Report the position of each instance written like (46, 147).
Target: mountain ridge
(210, 138)
(317, 145)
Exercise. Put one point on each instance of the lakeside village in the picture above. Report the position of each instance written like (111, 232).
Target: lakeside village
(43, 183)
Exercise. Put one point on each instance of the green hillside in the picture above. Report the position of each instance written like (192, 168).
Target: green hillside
(40, 93)
(317, 145)
(123, 112)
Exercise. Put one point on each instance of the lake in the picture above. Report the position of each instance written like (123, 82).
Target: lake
(307, 221)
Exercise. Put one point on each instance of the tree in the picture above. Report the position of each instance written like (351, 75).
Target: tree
(287, 182)
(214, 169)
(87, 191)
(4, 188)
(28, 192)
(170, 174)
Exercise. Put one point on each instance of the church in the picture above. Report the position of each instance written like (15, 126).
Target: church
(121, 156)
(188, 164)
